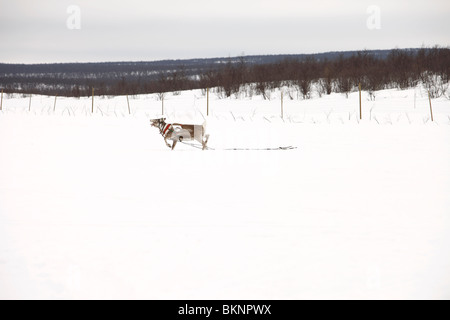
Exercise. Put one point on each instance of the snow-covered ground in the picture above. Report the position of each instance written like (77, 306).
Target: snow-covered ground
(96, 206)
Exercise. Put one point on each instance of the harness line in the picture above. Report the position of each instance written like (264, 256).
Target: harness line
(239, 149)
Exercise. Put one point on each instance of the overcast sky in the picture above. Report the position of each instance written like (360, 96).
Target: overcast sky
(44, 31)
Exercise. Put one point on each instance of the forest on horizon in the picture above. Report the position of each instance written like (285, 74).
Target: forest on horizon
(337, 72)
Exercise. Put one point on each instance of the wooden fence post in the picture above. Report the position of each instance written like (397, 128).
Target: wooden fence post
(282, 111)
(1, 102)
(207, 102)
(93, 90)
(54, 106)
(431, 108)
(128, 102)
(162, 103)
(360, 103)
(29, 105)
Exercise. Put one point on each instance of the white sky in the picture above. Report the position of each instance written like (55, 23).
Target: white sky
(36, 31)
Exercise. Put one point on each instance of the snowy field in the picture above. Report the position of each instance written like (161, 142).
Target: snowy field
(96, 206)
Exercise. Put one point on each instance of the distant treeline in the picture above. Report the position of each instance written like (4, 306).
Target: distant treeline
(330, 72)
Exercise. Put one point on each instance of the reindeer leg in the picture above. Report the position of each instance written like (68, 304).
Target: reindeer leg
(167, 144)
(205, 142)
(174, 144)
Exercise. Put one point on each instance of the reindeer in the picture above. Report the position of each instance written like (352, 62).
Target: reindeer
(180, 132)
